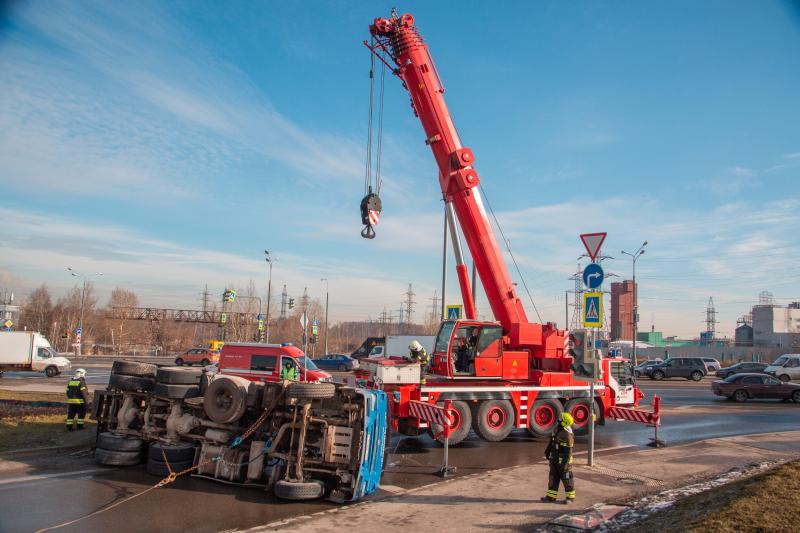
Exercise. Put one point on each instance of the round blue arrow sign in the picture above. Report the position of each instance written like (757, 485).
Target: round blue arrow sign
(593, 275)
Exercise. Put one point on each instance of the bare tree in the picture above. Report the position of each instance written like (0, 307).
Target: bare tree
(37, 310)
(120, 332)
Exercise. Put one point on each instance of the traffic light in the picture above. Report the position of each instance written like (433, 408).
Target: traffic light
(223, 319)
(291, 303)
(582, 354)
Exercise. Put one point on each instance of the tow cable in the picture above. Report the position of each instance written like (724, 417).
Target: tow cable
(371, 203)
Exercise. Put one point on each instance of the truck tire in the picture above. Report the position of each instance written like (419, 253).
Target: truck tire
(545, 417)
(295, 490)
(160, 469)
(225, 400)
(133, 368)
(176, 453)
(581, 410)
(174, 375)
(51, 371)
(116, 458)
(119, 443)
(176, 392)
(493, 420)
(311, 391)
(130, 383)
(461, 426)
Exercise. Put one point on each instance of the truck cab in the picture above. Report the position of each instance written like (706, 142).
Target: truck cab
(470, 349)
(263, 362)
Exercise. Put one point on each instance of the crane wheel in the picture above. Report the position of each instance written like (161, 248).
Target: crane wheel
(544, 417)
(580, 409)
(461, 426)
(494, 420)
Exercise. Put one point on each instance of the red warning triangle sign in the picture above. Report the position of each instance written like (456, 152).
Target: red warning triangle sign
(592, 242)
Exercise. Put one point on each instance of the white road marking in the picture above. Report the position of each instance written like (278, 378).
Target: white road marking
(42, 477)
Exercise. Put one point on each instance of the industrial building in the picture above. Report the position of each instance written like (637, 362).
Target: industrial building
(776, 326)
(623, 302)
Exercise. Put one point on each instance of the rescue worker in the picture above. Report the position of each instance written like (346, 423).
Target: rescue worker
(289, 372)
(417, 354)
(77, 397)
(559, 453)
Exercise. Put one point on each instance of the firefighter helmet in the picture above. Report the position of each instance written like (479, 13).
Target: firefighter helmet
(567, 420)
(415, 346)
(79, 373)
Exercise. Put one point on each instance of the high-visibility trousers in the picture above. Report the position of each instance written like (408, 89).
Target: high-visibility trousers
(73, 410)
(558, 476)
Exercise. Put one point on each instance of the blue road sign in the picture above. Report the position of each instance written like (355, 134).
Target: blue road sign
(77, 331)
(261, 316)
(454, 312)
(593, 276)
(592, 309)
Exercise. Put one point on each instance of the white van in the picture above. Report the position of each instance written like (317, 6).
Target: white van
(785, 367)
(27, 350)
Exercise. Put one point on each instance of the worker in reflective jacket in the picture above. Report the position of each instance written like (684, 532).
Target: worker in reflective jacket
(417, 354)
(77, 396)
(289, 372)
(559, 453)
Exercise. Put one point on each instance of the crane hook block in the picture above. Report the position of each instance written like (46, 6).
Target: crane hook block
(370, 214)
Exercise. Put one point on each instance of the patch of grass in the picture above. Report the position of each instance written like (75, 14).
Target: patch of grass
(41, 431)
(32, 396)
(763, 503)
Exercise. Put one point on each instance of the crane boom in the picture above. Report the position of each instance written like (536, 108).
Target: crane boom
(401, 40)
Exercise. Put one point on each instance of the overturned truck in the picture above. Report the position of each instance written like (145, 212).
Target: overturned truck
(298, 440)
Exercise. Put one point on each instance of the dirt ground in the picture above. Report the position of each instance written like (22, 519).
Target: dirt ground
(769, 502)
(35, 421)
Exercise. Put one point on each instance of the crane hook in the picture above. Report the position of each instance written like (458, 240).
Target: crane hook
(370, 214)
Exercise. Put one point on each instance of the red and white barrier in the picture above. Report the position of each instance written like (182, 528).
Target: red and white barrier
(651, 418)
(435, 414)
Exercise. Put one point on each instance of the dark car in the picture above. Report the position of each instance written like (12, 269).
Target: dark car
(639, 369)
(740, 368)
(678, 367)
(336, 361)
(742, 387)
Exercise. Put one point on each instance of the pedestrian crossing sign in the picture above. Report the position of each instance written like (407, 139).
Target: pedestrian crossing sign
(454, 312)
(592, 309)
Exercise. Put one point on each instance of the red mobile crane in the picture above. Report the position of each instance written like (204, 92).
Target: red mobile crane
(496, 373)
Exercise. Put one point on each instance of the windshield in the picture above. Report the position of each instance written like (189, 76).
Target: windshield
(443, 339)
(780, 361)
(307, 363)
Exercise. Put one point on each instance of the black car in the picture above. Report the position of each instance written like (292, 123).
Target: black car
(678, 367)
(739, 368)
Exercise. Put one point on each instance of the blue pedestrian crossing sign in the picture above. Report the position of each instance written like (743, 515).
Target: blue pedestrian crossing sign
(592, 309)
(454, 312)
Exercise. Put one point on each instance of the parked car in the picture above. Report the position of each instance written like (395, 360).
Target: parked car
(742, 387)
(197, 356)
(785, 367)
(712, 365)
(739, 368)
(336, 361)
(678, 367)
(639, 369)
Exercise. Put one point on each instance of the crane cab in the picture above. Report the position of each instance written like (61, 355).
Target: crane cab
(467, 349)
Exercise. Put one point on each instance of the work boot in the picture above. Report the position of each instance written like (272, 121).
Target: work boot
(547, 499)
(568, 501)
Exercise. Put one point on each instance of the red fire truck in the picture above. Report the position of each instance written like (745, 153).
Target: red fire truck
(500, 375)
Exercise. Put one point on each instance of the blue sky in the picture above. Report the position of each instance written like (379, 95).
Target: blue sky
(168, 144)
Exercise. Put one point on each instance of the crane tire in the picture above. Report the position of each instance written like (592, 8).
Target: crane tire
(116, 458)
(494, 420)
(225, 399)
(544, 417)
(134, 368)
(174, 375)
(581, 410)
(295, 490)
(311, 390)
(130, 383)
(160, 469)
(119, 443)
(461, 427)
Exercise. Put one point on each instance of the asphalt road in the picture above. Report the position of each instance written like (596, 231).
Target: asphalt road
(57, 491)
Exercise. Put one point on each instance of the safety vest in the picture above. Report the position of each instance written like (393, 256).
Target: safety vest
(289, 373)
(420, 357)
(562, 441)
(76, 391)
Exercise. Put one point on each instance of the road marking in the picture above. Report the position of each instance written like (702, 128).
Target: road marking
(41, 477)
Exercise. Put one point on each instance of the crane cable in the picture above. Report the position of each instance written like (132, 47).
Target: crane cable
(371, 203)
(508, 247)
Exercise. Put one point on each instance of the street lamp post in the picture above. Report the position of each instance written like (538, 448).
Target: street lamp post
(635, 319)
(269, 288)
(326, 314)
(83, 300)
